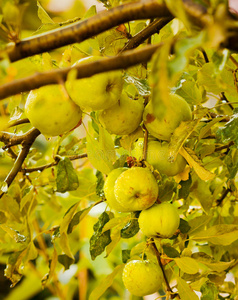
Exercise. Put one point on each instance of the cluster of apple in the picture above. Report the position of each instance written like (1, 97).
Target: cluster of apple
(56, 109)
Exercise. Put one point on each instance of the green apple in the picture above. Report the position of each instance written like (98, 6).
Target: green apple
(157, 156)
(97, 92)
(109, 189)
(124, 117)
(163, 128)
(51, 110)
(136, 189)
(159, 220)
(142, 277)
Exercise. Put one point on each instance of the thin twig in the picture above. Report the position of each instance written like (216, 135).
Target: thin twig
(146, 33)
(157, 253)
(223, 196)
(224, 147)
(54, 163)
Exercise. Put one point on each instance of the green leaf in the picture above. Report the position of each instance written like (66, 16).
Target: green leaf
(43, 16)
(131, 228)
(67, 178)
(222, 234)
(125, 253)
(180, 135)
(65, 260)
(167, 188)
(77, 218)
(170, 251)
(141, 84)
(99, 240)
(190, 92)
(229, 132)
(105, 284)
(209, 291)
(184, 227)
(100, 184)
(185, 188)
(91, 12)
(187, 265)
(185, 292)
(99, 152)
(68, 217)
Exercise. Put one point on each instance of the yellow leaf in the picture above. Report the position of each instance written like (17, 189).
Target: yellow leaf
(196, 164)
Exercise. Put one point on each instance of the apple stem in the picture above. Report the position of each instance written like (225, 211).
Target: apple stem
(158, 256)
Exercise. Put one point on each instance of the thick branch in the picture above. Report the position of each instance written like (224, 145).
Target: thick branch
(28, 140)
(81, 31)
(122, 61)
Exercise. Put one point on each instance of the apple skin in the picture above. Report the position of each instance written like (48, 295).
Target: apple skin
(136, 189)
(159, 220)
(51, 110)
(124, 117)
(157, 156)
(109, 189)
(97, 92)
(177, 112)
(142, 277)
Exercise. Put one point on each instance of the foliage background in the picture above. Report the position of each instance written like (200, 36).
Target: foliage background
(42, 241)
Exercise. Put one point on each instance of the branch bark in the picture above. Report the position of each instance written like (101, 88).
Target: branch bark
(26, 140)
(54, 163)
(122, 61)
(88, 28)
(105, 20)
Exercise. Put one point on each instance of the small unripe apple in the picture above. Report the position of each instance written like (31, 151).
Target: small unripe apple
(163, 128)
(136, 189)
(51, 110)
(124, 117)
(157, 156)
(109, 189)
(97, 92)
(142, 277)
(159, 220)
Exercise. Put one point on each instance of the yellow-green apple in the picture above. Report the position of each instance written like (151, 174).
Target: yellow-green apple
(109, 189)
(97, 92)
(124, 117)
(159, 220)
(177, 111)
(51, 110)
(136, 189)
(142, 277)
(157, 155)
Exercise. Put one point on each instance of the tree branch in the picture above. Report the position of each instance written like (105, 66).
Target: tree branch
(27, 141)
(144, 34)
(54, 163)
(76, 33)
(122, 61)
(157, 253)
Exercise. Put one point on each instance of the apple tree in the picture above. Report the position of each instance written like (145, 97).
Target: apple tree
(119, 150)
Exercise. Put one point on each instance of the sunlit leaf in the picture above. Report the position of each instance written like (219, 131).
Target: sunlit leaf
(185, 291)
(195, 163)
(223, 234)
(105, 284)
(187, 265)
(43, 16)
(99, 240)
(209, 291)
(67, 178)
